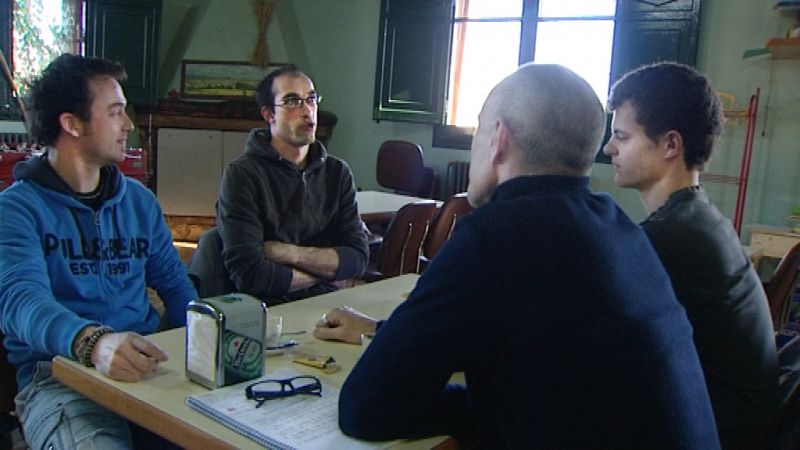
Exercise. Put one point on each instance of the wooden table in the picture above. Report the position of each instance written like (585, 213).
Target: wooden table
(773, 242)
(376, 206)
(157, 403)
(755, 255)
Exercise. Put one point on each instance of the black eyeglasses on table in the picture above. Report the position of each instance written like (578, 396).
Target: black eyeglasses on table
(264, 390)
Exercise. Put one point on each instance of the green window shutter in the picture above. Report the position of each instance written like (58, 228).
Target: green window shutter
(648, 31)
(127, 31)
(8, 104)
(413, 56)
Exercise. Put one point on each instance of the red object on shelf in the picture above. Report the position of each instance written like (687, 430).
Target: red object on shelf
(135, 164)
(7, 162)
(752, 110)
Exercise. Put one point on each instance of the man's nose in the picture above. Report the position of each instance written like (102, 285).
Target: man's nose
(129, 126)
(608, 149)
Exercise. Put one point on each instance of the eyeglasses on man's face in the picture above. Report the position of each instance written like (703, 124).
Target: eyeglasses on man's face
(297, 102)
(271, 389)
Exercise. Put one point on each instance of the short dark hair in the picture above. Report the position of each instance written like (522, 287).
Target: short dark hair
(64, 88)
(265, 95)
(671, 96)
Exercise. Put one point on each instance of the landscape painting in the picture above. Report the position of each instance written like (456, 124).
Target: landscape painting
(221, 79)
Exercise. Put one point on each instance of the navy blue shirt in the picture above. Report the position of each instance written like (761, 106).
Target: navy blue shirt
(557, 309)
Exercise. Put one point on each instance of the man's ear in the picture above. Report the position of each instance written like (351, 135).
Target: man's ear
(672, 141)
(71, 124)
(500, 142)
(266, 114)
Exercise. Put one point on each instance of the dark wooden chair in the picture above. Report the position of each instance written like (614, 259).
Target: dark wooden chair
(402, 243)
(401, 167)
(789, 383)
(781, 286)
(326, 121)
(443, 223)
(430, 183)
(8, 390)
(8, 380)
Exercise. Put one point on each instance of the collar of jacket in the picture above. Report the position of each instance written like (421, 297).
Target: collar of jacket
(260, 145)
(39, 171)
(526, 185)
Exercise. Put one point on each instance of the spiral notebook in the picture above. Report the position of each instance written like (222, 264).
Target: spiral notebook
(299, 422)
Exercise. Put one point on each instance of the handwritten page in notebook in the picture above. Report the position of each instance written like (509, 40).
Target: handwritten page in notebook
(299, 422)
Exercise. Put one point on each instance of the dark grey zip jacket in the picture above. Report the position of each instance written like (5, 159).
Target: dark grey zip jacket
(264, 197)
(714, 280)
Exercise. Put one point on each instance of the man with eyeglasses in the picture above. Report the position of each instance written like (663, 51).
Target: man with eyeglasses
(287, 221)
(548, 297)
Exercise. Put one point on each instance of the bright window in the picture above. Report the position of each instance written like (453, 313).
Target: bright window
(488, 45)
(49, 26)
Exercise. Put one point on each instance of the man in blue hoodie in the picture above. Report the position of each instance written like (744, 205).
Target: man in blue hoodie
(79, 244)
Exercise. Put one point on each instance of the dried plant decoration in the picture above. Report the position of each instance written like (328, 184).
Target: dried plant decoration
(263, 10)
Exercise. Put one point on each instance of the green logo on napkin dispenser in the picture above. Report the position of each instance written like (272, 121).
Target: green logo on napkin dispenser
(229, 299)
(243, 358)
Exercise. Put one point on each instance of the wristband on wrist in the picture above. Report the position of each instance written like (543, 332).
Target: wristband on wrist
(87, 343)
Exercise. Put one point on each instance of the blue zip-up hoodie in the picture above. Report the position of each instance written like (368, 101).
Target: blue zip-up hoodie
(64, 266)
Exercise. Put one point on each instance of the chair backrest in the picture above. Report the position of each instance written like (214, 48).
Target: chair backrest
(443, 223)
(430, 183)
(326, 121)
(401, 167)
(8, 380)
(789, 385)
(402, 242)
(207, 267)
(782, 285)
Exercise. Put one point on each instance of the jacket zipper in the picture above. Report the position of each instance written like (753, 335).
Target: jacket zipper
(306, 201)
(101, 278)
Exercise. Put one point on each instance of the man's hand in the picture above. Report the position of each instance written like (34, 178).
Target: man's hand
(281, 252)
(345, 324)
(126, 356)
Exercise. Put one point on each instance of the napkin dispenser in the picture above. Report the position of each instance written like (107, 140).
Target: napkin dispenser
(224, 339)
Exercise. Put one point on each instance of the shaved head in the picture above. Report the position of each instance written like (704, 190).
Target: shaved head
(540, 120)
(555, 118)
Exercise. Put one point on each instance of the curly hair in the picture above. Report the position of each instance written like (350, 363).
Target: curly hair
(64, 88)
(670, 96)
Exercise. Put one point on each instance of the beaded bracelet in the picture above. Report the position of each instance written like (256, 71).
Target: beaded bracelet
(87, 343)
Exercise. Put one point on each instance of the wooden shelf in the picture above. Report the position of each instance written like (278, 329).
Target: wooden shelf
(784, 48)
(787, 6)
(779, 48)
(197, 122)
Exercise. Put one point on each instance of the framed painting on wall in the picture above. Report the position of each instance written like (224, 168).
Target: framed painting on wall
(221, 79)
